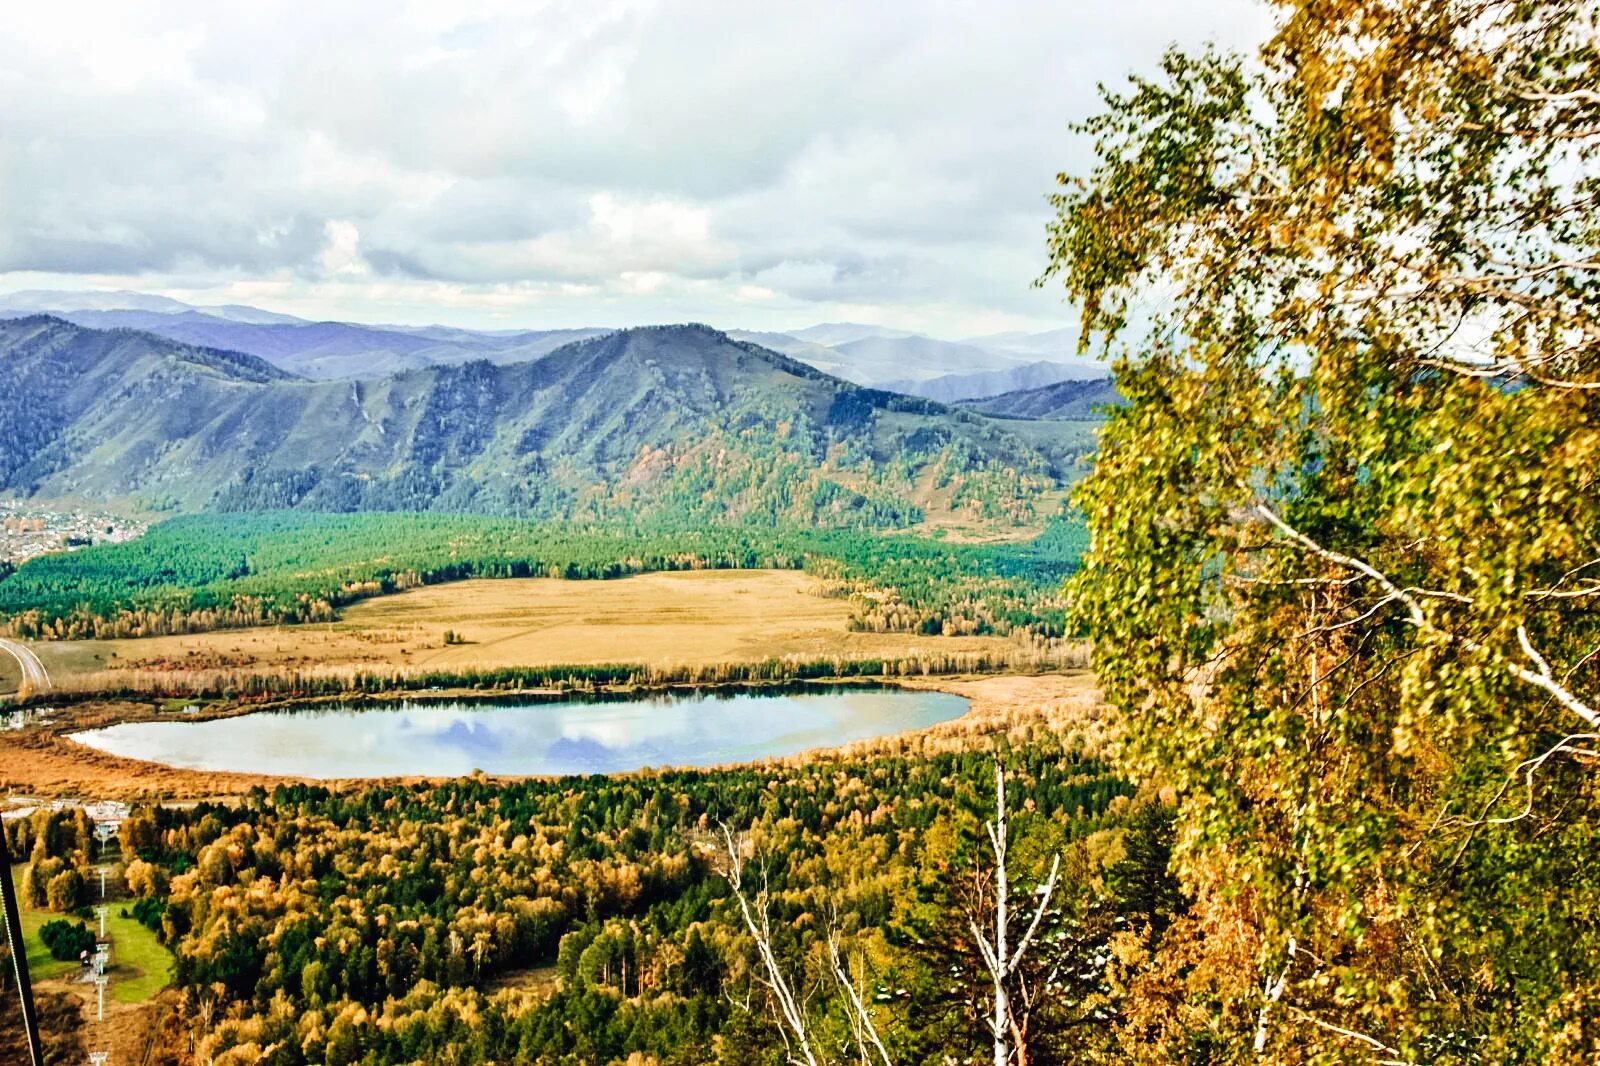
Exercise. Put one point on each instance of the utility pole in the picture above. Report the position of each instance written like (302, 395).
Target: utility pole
(100, 912)
(19, 954)
(100, 987)
(105, 831)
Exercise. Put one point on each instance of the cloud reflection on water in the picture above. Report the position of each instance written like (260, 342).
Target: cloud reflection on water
(452, 739)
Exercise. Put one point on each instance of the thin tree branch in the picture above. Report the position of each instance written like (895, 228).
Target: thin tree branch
(1541, 677)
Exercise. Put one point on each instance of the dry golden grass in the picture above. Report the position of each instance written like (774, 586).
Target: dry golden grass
(669, 620)
(691, 618)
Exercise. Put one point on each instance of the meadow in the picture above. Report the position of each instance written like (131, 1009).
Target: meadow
(667, 621)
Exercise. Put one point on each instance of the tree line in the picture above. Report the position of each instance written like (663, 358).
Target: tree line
(204, 572)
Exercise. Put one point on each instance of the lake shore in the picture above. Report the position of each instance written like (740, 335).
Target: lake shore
(40, 761)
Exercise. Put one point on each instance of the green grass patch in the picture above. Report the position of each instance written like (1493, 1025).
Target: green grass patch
(41, 964)
(140, 966)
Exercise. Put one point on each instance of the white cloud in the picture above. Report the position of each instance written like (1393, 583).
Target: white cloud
(500, 162)
(343, 253)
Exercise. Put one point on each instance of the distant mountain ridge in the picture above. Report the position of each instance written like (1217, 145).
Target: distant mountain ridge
(678, 422)
(1079, 399)
(871, 355)
(952, 388)
(334, 349)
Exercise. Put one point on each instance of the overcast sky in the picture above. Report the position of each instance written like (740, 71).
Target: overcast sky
(507, 163)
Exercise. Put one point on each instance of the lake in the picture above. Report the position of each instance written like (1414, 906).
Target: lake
(530, 736)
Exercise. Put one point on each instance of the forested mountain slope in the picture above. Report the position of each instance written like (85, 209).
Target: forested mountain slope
(1063, 399)
(676, 421)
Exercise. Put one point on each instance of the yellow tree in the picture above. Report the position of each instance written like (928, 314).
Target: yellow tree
(1345, 561)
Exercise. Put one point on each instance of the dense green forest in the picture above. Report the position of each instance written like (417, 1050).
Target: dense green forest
(583, 920)
(210, 571)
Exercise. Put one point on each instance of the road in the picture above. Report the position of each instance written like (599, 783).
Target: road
(34, 675)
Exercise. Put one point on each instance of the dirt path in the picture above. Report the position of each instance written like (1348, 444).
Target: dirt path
(126, 1029)
(35, 678)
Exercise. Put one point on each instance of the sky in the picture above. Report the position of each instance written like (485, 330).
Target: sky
(505, 163)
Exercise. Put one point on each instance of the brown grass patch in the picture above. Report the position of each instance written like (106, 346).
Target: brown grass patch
(691, 618)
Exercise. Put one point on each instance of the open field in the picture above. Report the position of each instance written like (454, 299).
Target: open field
(41, 964)
(686, 618)
(140, 966)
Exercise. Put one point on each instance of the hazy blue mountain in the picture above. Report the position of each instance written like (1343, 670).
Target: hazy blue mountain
(61, 303)
(828, 360)
(1063, 400)
(950, 388)
(678, 421)
(836, 333)
(1053, 344)
(334, 349)
(867, 355)
(884, 359)
(35, 301)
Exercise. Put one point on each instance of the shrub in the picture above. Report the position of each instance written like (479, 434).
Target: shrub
(148, 912)
(66, 940)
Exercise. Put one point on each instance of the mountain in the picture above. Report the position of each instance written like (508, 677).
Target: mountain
(1062, 400)
(832, 334)
(35, 301)
(828, 360)
(1055, 344)
(678, 422)
(897, 360)
(950, 388)
(885, 359)
(919, 365)
(328, 349)
(44, 301)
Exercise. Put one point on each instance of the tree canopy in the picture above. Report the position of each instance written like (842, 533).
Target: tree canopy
(1345, 537)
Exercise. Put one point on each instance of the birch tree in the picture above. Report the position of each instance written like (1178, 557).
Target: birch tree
(1001, 936)
(1345, 561)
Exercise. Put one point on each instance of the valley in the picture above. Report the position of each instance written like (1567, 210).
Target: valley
(665, 560)
(669, 620)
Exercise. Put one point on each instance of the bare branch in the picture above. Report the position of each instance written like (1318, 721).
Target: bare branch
(1541, 677)
(1351, 1034)
(1527, 768)
(1045, 894)
(761, 933)
(861, 1015)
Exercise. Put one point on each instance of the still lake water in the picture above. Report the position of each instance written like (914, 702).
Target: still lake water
(566, 736)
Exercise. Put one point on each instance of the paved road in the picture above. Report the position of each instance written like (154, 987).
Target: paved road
(34, 675)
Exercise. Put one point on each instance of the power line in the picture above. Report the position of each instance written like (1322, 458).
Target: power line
(19, 953)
